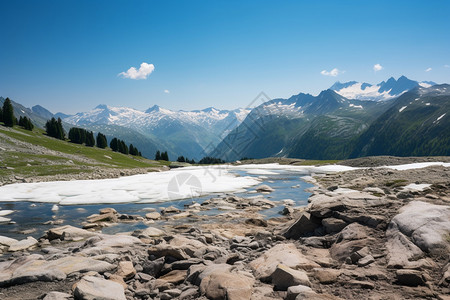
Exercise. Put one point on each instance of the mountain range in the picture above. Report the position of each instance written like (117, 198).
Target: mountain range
(330, 126)
(347, 120)
(384, 90)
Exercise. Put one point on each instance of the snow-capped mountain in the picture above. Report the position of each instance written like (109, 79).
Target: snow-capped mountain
(185, 133)
(384, 90)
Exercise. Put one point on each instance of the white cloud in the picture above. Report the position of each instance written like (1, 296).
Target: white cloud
(335, 72)
(428, 70)
(144, 70)
(377, 67)
(167, 91)
(446, 66)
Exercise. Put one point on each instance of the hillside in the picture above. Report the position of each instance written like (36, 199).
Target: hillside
(417, 124)
(33, 156)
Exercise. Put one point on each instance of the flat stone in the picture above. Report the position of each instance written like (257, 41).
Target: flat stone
(6, 241)
(94, 288)
(326, 276)
(108, 210)
(152, 232)
(23, 244)
(57, 296)
(106, 217)
(264, 188)
(175, 276)
(426, 224)
(153, 215)
(69, 233)
(285, 254)
(284, 277)
(365, 261)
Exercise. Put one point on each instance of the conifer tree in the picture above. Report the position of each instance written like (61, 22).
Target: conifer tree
(1, 114)
(8, 113)
(158, 155)
(101, 141)
(90, 140)
(114, 145)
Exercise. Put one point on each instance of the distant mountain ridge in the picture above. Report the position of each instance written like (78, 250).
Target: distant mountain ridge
(384, 90)
(330, 126)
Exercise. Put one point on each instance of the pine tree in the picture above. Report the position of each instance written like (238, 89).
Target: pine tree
(1, 114)
(8, 113)
(54, 128)
(164, 156)
(181, 159)
(114, 145)
(101, 141)
(158, 155)
(90, 140)
(28, 124)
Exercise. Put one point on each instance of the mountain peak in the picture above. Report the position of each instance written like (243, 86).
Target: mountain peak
(101, 106)
(154, 108)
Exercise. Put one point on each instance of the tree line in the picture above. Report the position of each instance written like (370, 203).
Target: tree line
(8, 118)
(161, 155)
(54, 128)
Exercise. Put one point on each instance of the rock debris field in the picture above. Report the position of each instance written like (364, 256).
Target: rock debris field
(367, 233)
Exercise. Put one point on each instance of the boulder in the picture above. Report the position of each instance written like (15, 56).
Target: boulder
(175, 276)
(69, 233)
(294, 291)
(34, 268)
(107, 210)
(106, 217)
(332, 225)
(264, 188)
(401, 251)
(23, 244)
(221, 283)
(126, 270)
(152, 232)
(170, 210)
(284, 277)
(326, 275)
(153, 215)
(285, 254)
(94, 288)
(6, 241)
(305, 225)
(426, 224)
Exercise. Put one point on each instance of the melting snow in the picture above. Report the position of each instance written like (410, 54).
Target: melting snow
(441, 117)
(401, 109)
(356, 106)
(427, 104)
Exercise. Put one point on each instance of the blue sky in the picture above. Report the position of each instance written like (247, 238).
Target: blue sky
(67, 55)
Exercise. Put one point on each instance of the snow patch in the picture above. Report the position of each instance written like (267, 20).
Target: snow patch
(441, 117)
(416, 166)
(402, 109)
(416, 187)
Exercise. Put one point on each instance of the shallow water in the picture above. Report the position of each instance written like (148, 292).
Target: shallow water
(31, 216)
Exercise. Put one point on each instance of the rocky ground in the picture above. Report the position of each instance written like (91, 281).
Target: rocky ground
(366, 234)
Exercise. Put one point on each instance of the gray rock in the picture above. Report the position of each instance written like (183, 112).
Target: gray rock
(365, 261)
(223, 284)
(426, 224)
(57, 296)
(94, 288)
(305, 225)
(284, 277)
(332, 225)
(264, 188)
(286, 254)
(6, 241)
(152, 232)
(23, 244)
(294, 291)
(69, 233)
